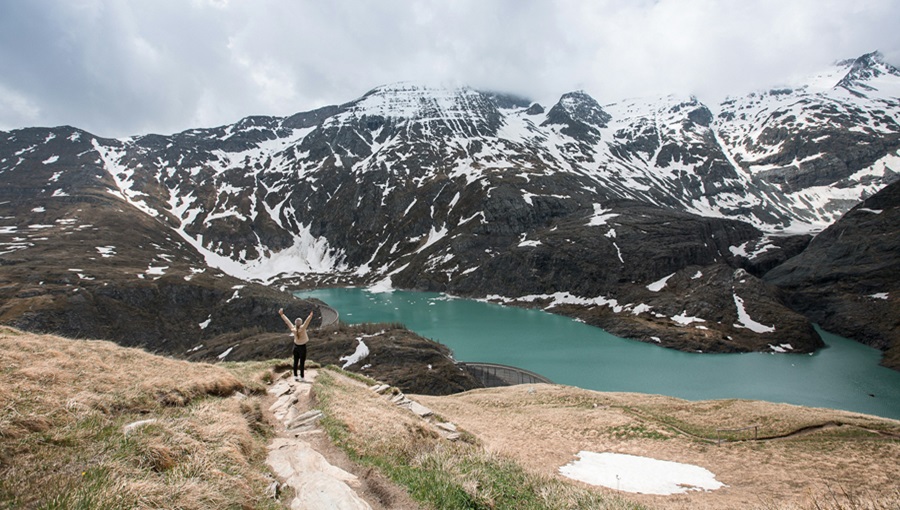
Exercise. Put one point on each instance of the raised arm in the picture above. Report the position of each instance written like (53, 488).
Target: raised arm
(308, 320)
(285, 319)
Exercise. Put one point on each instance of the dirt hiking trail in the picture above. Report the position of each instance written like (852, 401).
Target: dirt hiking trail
(304, 459)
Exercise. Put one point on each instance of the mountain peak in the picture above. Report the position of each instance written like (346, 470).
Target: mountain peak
(433, 102)
(579, 112)
(409, 100)
(864, 69)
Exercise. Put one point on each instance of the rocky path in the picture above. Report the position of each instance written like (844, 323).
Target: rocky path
(320, 474)
(316, 482)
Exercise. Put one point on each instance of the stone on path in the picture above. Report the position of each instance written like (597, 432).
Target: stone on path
(304, 422)
(380, 388)
(127, 429)
(446, 425)
(418, 408)
(317, 484)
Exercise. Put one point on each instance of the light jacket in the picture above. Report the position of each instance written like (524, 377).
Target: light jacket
(300, 336)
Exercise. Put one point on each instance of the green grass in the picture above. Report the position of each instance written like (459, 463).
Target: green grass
(636, 431)
(353, 375)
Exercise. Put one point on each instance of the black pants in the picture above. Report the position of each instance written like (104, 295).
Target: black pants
(299, 358)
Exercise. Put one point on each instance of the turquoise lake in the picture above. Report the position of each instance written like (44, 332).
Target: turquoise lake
(844, 375)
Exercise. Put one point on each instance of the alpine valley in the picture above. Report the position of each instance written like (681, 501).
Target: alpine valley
(722, 228)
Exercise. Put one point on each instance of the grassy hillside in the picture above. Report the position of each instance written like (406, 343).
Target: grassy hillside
(66, 439)
(769, 456)
(515, 439)
(90, 424)
(438, 473)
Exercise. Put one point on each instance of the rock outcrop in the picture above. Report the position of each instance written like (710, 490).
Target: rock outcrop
(848, 279)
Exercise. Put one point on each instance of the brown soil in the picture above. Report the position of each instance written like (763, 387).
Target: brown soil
(812, 456)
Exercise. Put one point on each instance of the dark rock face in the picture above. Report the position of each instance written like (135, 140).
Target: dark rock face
(848, 279)
(81, 262)
(715, 309)
(579, 115)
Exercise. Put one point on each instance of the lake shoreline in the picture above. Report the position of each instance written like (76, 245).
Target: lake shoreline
(847, 373)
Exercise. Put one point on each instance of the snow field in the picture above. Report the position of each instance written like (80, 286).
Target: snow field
(642, 475)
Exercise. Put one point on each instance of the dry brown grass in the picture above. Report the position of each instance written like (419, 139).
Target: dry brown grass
(851, 466)
(438, 473)
(64, 405)
(62, 442)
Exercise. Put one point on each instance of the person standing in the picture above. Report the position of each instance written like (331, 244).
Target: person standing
(301, 338)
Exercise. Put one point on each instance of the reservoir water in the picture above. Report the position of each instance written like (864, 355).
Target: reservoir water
(845, 375)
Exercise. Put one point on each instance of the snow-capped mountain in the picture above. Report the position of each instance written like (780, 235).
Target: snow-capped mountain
(582, 204)
(825, 144)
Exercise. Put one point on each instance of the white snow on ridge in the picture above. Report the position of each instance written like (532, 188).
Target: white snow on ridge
(382, 286)
(741, 250)
(309, 254)
(684, 319)
(562, 298)
(601, 216)
(659, 284)
(122, 177)
(156, 270)
(744, 320)
(413, 101)
(641, 308)
(524, 242)
(433, 237)
(226, 353)
(642, 475)
(619, 253)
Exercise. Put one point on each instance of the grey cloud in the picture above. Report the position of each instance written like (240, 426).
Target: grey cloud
(118, 67)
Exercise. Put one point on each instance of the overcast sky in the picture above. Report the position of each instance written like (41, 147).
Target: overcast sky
(120, 67)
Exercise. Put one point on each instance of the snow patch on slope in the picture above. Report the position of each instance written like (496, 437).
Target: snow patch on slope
(362, 350)
(659, 284)
(744, 320)
(642, 475)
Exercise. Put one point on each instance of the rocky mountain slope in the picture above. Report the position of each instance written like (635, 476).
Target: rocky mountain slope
(848, 278)
(653, 218)
(77, 259)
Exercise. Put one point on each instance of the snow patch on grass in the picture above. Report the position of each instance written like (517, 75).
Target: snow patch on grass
(642, 475)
